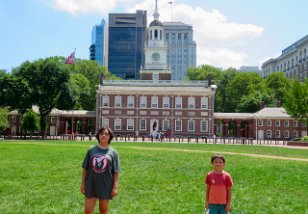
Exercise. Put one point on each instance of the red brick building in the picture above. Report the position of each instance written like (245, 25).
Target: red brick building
(145, 108)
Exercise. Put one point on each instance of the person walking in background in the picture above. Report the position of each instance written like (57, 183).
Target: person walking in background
(101, 168)
(219, 184)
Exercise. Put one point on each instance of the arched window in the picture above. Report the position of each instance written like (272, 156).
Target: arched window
(156, 34)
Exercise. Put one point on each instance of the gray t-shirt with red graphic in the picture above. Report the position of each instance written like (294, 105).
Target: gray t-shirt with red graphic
(101, 165)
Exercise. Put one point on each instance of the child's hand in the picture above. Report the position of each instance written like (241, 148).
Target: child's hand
(206, 205)
(82, 189)
(228, 208)
(114, 191)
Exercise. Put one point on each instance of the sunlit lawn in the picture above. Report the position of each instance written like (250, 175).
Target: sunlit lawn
(44, 177)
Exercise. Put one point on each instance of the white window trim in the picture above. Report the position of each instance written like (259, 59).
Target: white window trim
(193, 124)
(143, 102)
(206, 127)
(130, 102)
(117, 124)
(175, 127)
(204, 102)
(133, 124)
(145, 125)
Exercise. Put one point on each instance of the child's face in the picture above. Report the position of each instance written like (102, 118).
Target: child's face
(218, 164)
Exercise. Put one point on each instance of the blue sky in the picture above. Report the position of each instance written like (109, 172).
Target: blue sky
(228, 33)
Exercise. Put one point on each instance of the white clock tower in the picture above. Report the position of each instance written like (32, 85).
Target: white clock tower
(155, 65)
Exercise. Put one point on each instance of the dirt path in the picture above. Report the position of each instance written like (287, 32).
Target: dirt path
(231, 153)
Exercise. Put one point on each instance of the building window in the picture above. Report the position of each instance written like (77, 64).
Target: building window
(117, 124)
(178, 102)
(260, 122)
(204, 102)
(286, 134)
(118, 101)
(191, 125)
(154, 101)
(142, 124)
(277, 134)
(295, 133)
(130, 102)
(204, 126)
(269, 123)
(166, 102)
(178, 125)
(277, 123)
(268, 134)
(130, 124)
(286, 123)
(52, 120)
(105, 122)
(185, 36)
(167, 36)
(105, 101)
(191, 102)
(143, 102)
(166, 124)
(295, 124)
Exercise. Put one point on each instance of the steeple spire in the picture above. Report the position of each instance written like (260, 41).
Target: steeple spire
(156, 14)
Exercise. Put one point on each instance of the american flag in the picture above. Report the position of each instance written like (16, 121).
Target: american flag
(71, 58)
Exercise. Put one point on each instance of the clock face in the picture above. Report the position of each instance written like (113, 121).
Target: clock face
(155, 56)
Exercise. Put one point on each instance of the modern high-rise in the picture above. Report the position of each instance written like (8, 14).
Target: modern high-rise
(181, 48)
(293, 61)
(126, 39)
(97, 47)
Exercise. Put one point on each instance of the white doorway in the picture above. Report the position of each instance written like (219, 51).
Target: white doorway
(52, 131)
(260, 135)
(154, 126)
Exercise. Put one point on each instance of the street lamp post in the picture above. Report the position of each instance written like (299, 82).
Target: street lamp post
(213, 90)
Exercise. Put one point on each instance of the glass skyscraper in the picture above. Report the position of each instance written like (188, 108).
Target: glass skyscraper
(181, 48)
(97, 47)
(127, 35)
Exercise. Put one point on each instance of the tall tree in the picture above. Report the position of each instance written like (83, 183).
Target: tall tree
(47, 78)
(92, 71)
(3, 119)
(296, 102)
(30, 121)
(277, 84)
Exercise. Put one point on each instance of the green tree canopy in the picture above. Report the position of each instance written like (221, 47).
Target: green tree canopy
(277, 84)
(296, 102)
(30, 121)
(3, 119)
(47, 78)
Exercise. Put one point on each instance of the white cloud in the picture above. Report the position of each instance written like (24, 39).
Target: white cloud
(220, 42)
(84, 6)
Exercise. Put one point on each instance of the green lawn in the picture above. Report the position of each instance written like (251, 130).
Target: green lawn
(44, 177)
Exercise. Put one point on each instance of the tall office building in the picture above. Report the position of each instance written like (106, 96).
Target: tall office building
(181, 48)
(293, 61)
(97, 47)
(127, 36)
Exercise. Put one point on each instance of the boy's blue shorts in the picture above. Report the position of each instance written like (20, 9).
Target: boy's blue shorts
(217, 209)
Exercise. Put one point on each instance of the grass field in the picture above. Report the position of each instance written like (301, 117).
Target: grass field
(44, 177)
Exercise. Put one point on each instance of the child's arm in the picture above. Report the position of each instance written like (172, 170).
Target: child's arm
(207, 195)
(229, 195)
(115, 185)
(83, 178)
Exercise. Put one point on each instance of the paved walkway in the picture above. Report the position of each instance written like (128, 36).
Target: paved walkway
(232, 153)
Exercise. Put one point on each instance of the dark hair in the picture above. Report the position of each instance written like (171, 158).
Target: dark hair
(101, 130)
(221, 156)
